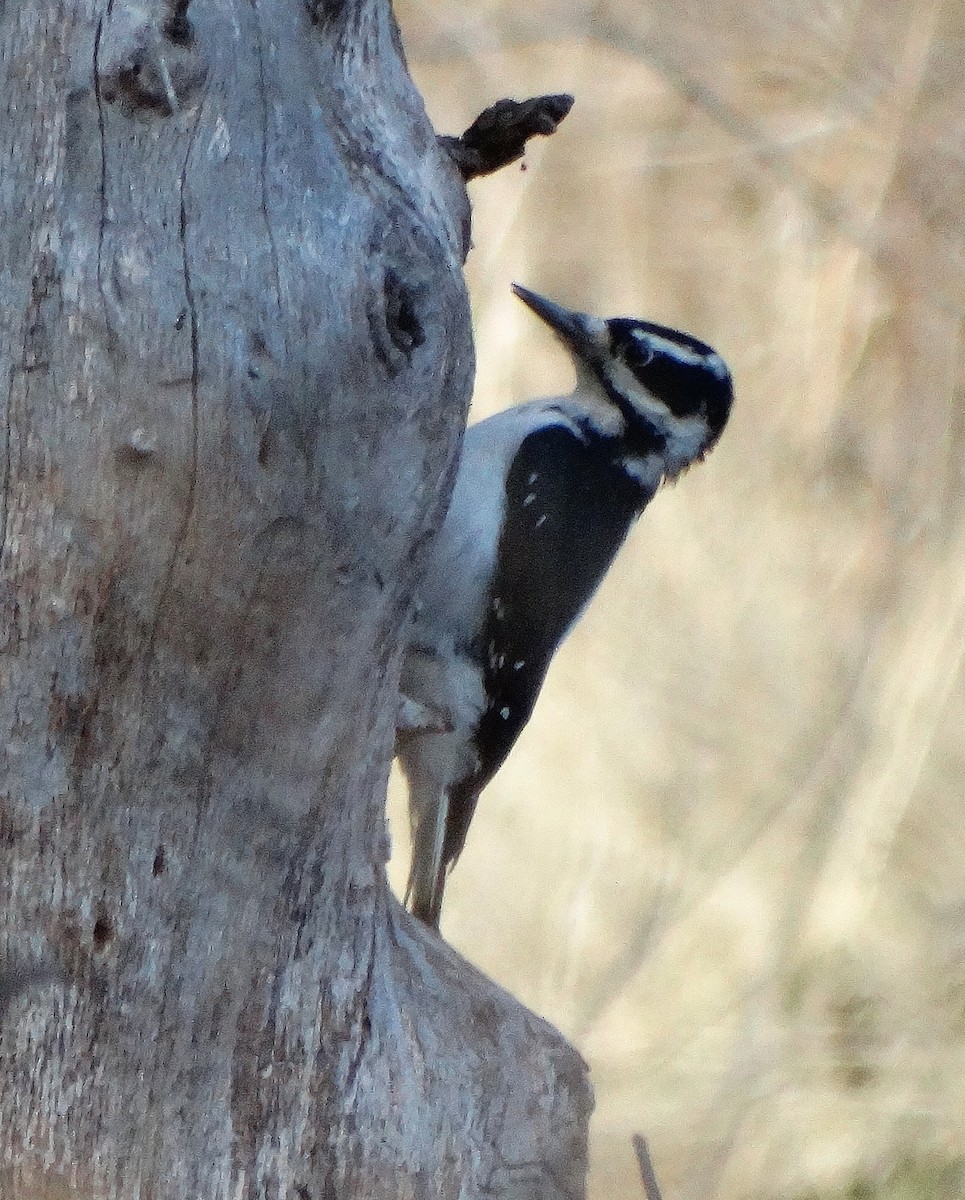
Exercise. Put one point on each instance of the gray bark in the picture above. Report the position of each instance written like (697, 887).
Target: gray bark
(236, 358)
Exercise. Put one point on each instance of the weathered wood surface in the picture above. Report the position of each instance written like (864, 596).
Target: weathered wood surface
(236, 357)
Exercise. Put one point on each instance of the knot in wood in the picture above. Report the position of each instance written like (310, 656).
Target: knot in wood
(147, 61)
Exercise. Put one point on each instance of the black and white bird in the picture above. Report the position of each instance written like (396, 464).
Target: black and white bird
(544, 497)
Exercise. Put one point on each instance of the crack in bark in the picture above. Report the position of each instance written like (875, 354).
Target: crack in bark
(365, 1021)
(102, 132)
(180, 536)
(7, 471)
(263, 168)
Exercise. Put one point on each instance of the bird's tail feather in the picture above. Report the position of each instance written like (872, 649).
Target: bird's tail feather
(427, 875)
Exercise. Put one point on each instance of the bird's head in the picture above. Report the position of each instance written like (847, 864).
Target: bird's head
(655, 377)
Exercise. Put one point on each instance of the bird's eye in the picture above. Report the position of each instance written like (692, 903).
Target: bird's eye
(639, 354)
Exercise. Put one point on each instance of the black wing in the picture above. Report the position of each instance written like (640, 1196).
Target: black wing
(569, 506)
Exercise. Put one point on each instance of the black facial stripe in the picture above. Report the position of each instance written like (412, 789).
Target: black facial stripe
(686, 388)
(682, 387)
(642, 437)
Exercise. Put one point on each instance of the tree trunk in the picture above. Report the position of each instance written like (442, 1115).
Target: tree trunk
(236, 360)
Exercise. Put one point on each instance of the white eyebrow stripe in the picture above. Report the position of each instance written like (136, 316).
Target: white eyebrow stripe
(675, 350)
(683, 354)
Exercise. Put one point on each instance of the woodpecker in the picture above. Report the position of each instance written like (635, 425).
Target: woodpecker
(544, 497)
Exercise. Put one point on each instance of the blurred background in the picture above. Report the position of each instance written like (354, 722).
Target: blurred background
(727, 857)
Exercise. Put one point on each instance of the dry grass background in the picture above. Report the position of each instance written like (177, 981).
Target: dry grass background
(728, 855)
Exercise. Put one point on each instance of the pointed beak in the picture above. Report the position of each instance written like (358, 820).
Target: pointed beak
(582, 334)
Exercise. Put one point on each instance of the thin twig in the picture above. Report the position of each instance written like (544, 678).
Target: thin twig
(651, 1188)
